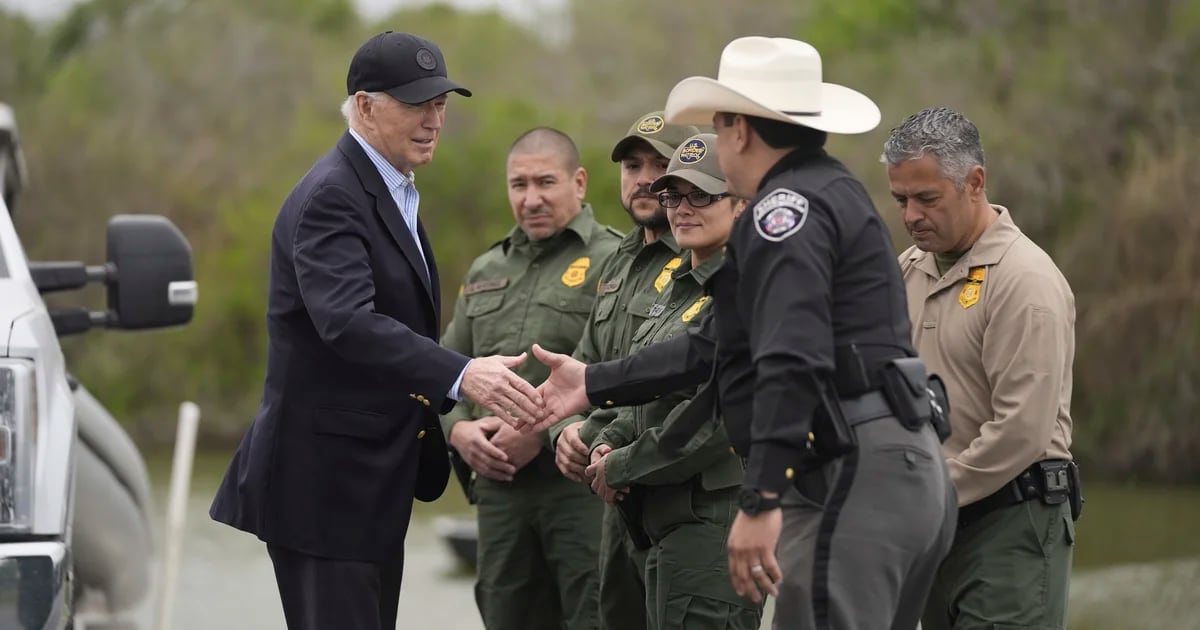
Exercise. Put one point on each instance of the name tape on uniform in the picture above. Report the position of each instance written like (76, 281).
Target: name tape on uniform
(484, 285)
(780, 214)
(603, 288)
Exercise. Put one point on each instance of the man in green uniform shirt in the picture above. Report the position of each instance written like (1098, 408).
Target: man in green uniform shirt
(687, 500)
(628, 285)
(538, 532)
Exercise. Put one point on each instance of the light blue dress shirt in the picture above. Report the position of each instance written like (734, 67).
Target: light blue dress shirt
(403, 190)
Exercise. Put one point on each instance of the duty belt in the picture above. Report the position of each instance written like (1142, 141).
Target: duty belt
(865, 408)
(859, 410)
(1028, 485)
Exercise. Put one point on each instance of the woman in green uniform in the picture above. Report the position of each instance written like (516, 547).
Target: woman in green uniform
(682, 505)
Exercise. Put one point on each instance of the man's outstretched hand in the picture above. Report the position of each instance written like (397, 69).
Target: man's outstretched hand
(563, 394)
(490, 382)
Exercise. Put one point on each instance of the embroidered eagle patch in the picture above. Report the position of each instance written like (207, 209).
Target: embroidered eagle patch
(780, 214)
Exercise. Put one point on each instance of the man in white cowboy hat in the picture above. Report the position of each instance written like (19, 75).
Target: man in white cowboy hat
(808, 358)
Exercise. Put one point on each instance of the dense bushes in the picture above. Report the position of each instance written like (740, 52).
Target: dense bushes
(209, 111)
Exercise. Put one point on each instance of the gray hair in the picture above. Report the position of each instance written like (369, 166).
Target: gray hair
(350, 112)
(941, 132)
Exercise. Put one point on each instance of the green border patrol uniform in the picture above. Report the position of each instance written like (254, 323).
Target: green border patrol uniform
(628, 285)
(538, 533)
(687, 501)
(682, 503)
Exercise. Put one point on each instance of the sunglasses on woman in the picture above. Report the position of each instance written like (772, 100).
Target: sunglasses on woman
(696, 199)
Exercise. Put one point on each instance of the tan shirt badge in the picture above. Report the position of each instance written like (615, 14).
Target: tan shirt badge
(969, 295)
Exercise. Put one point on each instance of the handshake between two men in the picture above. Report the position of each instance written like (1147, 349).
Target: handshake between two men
(498, 446)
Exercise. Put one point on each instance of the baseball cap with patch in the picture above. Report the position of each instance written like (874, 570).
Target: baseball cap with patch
(409, 68)
(695, 161)
(653, 129)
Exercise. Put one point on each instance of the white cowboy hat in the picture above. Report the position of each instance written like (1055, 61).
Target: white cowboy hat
(775, 78)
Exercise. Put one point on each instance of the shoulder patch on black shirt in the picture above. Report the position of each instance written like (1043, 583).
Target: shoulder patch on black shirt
(780, 214)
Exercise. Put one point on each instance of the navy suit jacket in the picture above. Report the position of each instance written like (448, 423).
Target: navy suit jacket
(347, 431)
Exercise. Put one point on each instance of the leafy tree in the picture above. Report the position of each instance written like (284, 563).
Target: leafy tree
(209, 111)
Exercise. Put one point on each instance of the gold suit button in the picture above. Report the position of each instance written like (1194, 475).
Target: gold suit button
(421, 434)
(608, 403)
(789, 473)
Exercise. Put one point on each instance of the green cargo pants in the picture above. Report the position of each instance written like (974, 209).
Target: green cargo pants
(537, 553)
(687, 570)
(1011, 570)
(622, 571)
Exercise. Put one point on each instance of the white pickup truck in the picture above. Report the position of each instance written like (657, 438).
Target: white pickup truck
(76, 522)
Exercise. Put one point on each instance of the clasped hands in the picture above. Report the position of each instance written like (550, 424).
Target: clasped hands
(490, 382)
(498, 446)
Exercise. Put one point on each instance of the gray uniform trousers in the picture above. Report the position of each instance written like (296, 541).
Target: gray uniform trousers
(863, 536)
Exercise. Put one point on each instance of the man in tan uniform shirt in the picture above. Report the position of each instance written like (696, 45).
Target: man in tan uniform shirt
(994, 317)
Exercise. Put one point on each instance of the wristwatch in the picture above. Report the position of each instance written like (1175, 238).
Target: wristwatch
(753, 503)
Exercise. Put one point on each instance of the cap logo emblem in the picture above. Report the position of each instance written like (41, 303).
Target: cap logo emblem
(425, 59)
(693, 151)
(651, 124)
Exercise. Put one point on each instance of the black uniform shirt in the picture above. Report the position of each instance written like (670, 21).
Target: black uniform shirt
(809, 267)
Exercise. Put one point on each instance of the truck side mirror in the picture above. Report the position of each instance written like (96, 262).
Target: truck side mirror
(153, 285)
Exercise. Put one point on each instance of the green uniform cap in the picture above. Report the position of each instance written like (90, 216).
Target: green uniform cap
(653, 129)
(695, 161)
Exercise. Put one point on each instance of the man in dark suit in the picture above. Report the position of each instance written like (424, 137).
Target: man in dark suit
(347, 433)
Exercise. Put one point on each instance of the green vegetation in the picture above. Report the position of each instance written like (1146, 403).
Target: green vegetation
(209, 111)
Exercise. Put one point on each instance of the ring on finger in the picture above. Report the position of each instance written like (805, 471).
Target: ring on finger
(756, 568)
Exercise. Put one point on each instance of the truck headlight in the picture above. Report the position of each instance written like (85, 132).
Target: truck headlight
(18, 443)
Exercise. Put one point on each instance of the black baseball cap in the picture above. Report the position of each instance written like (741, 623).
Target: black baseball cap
(409, 68)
